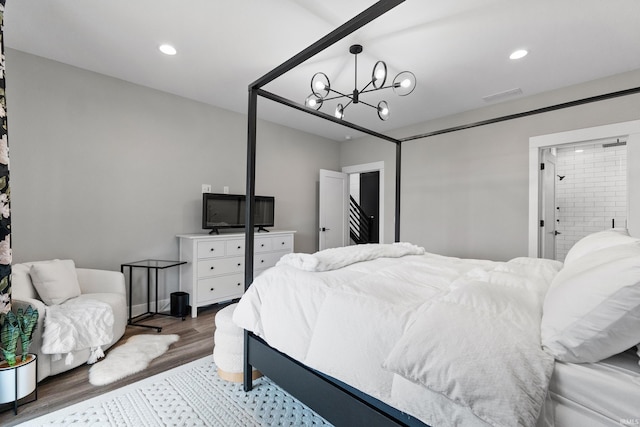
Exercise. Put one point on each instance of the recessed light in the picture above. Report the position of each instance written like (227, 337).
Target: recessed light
(579, 150)
(167, 49)
(521, 53)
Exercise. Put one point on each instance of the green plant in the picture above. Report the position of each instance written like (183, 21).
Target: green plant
(27, 320)
(14, 326)
(9, 333)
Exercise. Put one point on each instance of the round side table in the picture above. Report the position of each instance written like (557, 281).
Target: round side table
(19, 381)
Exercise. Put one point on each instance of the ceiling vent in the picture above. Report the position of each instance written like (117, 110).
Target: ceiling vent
(502, 95)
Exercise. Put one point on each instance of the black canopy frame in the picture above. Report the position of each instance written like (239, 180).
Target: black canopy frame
(336, 401)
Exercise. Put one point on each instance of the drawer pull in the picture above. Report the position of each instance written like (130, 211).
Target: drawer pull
(213, 289)
(239, 247)
(239, 264)
(262, 261)
(212, 267)
(238, 284)
(282, 243)
(262, 245)
(212, 249)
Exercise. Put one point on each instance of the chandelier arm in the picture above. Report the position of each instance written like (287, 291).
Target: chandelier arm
(344, 107)
(338, 97)
(379, 88)
(369, 105)
(364, 88)
(339, 93)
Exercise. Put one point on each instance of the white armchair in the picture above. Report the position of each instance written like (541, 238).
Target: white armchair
(102, 285)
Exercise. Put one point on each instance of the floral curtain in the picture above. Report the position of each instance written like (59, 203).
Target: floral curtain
(5, 217)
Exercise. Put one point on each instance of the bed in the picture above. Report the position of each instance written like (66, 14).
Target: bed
(328, 385)
(423, 339)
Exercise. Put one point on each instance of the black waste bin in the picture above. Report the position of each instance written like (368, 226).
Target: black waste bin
(179, 304)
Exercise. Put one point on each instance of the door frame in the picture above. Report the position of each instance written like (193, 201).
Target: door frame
(372, 167)
(629, 130)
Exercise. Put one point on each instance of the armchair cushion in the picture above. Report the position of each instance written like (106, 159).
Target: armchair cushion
(56, 281)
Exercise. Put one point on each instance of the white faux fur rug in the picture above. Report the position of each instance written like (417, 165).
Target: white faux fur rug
(130, 358)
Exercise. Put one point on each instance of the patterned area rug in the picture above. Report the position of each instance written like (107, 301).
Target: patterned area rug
(191, 395)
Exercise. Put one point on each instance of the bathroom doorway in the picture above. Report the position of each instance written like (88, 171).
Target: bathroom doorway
(590, 191)
(596, 185)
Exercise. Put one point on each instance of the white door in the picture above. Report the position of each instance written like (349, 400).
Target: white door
(333, 209)
(548, 185)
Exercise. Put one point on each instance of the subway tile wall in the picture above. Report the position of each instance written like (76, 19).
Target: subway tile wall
(592, 194)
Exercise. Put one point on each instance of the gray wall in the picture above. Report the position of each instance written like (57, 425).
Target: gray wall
(106, 172)
(466, 193)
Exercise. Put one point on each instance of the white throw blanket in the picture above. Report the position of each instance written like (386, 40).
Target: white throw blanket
(77, 324)
(334, 258)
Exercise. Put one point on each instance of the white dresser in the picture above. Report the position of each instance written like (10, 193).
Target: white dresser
(215, 263)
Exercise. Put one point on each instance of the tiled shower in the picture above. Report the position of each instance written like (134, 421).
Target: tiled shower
(591, 191)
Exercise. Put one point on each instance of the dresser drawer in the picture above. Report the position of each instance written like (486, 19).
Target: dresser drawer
(217, 266)
(262, 261)
(262, 244)
(211, 249)
(218, 288)
(235, 247)
(282, 243)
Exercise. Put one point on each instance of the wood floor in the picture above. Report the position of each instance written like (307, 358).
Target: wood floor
(58, 391)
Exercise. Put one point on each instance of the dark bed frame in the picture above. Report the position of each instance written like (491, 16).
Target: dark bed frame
(336, 401)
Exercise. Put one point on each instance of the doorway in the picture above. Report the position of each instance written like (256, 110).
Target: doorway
(593, 190)
(369, 201)
(334, 203)
(371, 197)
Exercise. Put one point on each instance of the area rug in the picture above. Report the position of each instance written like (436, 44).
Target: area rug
(190, 395)
(130, 358)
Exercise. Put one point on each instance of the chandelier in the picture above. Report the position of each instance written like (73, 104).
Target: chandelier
(403, 84)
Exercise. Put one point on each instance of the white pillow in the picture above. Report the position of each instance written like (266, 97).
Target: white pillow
(592, 308)
(597, 241)
(56, 281)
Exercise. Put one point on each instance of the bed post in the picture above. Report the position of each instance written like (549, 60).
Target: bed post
(249, 221)
(398, 174)
(373, 12)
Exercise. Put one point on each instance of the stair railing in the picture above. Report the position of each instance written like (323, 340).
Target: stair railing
(360, 224)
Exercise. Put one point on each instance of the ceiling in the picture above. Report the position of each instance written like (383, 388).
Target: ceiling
(458, 49)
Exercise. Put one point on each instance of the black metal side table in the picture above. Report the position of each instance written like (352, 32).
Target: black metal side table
(149, 264)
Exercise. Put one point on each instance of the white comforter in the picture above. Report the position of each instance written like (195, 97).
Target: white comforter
(447, 340)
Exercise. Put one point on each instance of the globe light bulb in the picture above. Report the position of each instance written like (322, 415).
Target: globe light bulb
(405, 83)
(320, 86)
(312, 103)
(384, 111)
(380, 74)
